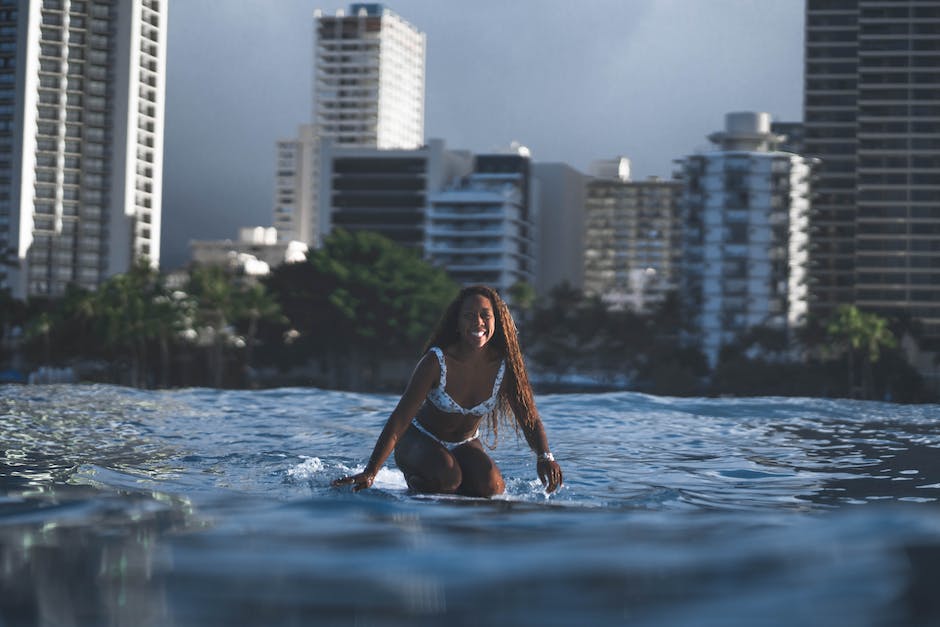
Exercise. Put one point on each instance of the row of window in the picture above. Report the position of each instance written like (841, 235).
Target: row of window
(899, 143)
(914, 262)
(899, 162)
(898, 228)
(899, 245)
(914, 213)
(925, 296)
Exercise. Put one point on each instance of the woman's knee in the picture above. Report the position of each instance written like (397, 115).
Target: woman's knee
(431, 473)
(492, 484)
(485, 481)
(439, 483)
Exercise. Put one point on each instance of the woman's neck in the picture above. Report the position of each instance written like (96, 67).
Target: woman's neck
(465, 352)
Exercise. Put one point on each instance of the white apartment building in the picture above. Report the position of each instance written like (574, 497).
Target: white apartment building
(81, 140)
(745, 211)
(631, 237)
(369, 78)
(482, 229)
(368, 93)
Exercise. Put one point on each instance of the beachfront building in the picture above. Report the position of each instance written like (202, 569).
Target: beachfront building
(81, 140)
(483, 227)
(745, 215)
(631, 237)
(368, 93)
(872, 115)
(369, 79)
(385, 191)
(559, 195)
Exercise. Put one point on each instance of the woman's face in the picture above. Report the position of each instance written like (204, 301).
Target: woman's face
(475, 321)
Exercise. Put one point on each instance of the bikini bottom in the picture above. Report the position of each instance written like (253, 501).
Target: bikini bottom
(450, 446)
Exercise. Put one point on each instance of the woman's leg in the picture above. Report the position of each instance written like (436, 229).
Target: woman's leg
(481, 476)
(428, 467)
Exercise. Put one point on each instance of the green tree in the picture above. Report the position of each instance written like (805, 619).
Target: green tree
(522, 298)
(254, 304)
(215, 295)
(130, 311)
(361, 298)
(859, 335)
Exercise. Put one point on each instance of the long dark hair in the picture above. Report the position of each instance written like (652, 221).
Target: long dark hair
(515, 393)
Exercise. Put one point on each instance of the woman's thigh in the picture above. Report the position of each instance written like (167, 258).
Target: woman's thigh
(481, 476)
(427, 466)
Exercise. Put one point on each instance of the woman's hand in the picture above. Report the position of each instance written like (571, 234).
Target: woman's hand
(359, 481)
(550, 474)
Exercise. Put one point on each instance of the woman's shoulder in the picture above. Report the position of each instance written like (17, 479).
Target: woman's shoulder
(429, 364)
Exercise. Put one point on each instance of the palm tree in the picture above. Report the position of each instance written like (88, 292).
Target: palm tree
(254, 304)
(212, 287)
(860, 334)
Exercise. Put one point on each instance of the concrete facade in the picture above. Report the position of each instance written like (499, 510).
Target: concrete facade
(745, 214)
(81, 140)
(368, 93)
(872, 116)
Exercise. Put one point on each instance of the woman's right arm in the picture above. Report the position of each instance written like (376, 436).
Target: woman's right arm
(425, 374)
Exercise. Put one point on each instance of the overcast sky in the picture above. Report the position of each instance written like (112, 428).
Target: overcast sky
(574, 80)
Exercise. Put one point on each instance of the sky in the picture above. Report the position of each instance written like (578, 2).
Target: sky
(574, 81)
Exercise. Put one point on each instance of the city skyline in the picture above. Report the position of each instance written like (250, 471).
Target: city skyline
(647, 80)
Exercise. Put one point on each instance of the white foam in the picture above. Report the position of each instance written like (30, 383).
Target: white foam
(313, 468)
(307, 469)
(388, 479)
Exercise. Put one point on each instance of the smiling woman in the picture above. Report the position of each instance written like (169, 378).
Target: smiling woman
(472, 369)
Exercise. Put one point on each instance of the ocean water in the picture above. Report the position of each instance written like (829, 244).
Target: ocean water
(202, 507)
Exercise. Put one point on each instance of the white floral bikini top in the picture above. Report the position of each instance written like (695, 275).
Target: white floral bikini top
(442, 400)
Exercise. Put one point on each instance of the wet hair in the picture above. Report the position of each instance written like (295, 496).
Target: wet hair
(515, 391)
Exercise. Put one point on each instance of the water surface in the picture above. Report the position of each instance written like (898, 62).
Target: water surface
(203, 507)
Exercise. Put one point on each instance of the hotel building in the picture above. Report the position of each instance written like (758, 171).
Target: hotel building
(745, 215)
(872, 117)
(368, 93)
(81, 140)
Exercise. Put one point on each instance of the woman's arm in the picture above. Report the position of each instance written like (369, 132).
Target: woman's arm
(426, 373)
(548, 469)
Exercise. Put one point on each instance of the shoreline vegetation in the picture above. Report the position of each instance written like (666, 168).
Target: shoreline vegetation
(354, 315)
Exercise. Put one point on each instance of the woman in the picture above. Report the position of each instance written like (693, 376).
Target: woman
(472, 369)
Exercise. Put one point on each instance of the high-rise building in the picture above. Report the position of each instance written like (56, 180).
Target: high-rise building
(483, 227)
(368, 93)
(631, 237)
(369, 79)
(745, 214)
(872, 116)
(81, 140)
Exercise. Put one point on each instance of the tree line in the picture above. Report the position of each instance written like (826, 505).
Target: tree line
(355, 314)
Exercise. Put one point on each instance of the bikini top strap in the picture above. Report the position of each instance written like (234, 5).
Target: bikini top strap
(499, 378)
(440, 359)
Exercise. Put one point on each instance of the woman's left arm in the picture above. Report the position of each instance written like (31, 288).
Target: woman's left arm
(548, 469)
